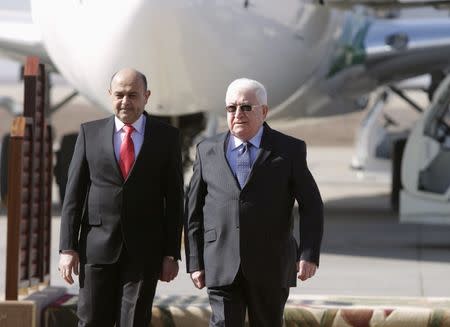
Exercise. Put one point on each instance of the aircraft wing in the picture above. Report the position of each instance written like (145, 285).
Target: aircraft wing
(381, 4)
(20, 38)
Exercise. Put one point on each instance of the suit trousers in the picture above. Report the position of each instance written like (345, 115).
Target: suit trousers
(265, 304)
(119, 293)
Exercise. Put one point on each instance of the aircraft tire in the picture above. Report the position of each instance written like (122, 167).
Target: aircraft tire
(397, 155)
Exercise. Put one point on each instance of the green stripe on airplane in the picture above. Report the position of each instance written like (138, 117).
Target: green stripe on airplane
(350, 48)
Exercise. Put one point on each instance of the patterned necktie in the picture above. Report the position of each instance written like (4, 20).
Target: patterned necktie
(243, 164)
(127, 151)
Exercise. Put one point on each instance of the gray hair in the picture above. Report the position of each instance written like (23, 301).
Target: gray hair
(248, 84)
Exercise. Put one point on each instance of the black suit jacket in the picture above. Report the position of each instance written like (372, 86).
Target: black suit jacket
(102, 212)
(226, 227)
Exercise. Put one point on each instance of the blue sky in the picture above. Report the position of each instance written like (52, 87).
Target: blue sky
(15, 4)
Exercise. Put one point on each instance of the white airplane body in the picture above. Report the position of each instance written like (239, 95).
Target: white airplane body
(314, 61)
(189, 50)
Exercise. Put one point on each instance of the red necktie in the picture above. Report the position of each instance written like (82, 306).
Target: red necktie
(127, 151)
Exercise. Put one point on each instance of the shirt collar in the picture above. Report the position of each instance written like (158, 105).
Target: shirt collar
(254, 141)
(138, 124)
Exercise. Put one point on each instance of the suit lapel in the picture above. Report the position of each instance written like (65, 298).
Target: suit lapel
(220, 151)
(266, 146)
(265, 149)
(107, 137)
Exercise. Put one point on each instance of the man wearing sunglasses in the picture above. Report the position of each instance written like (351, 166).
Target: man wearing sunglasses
(238, 228)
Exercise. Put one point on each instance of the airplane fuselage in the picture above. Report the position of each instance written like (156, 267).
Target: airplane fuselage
(190, 50)
(313, 60)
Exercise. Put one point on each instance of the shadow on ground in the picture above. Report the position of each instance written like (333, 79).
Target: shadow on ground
(56, 210)
(366, 226)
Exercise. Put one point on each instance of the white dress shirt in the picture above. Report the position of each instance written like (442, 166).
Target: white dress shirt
(137, 135)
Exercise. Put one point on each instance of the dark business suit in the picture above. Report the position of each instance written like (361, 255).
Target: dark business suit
(245, 236)
(122, 229)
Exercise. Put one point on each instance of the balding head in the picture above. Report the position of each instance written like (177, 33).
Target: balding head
(130, 72)
(129, 94)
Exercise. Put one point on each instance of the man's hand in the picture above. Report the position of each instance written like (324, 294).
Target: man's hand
(306, 269)
(198, 278)
(169, 269)
(68, 263)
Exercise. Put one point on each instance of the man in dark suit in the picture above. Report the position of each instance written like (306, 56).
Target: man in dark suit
(122, 214)
(238, 225)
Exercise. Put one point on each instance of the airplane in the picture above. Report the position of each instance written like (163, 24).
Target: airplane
(316, 59)
(425, 196)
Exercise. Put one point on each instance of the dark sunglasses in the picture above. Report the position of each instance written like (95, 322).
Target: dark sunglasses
(244, 107)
